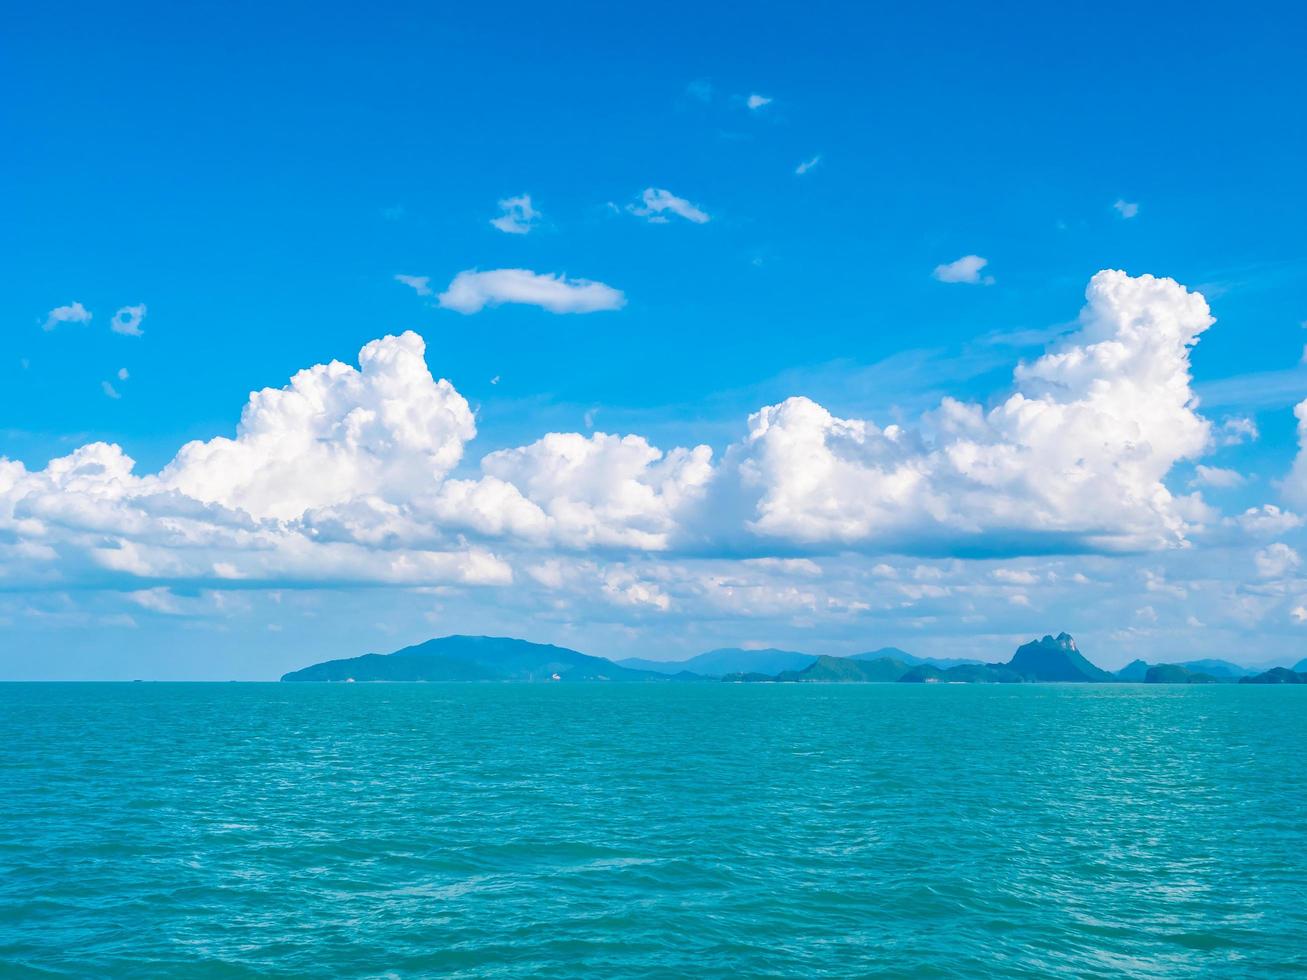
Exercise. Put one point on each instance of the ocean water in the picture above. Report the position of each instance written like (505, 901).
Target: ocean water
(242, 830)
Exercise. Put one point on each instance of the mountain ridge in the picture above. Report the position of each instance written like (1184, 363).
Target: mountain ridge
(1050, 659)
(843, 670)
(727, 660)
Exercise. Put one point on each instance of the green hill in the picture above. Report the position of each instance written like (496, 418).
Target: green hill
(1276, 675)
(728, 660)
(962, 674)
(845, 670)
(894, 653)
(1135, 670)
(1050, 659)
(1222, 670)
(1177, 674)
(473, 658)
(1055, 659)
(1210, 671)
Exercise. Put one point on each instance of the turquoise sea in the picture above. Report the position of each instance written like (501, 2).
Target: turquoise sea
(265, 830)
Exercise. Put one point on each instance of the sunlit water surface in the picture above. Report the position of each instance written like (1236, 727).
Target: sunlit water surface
(652, 830)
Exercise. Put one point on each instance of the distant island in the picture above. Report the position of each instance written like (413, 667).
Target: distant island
(1052, 659)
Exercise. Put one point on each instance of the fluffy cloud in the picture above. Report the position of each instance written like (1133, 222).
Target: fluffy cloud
(472, 291)
(519, 216)
(1277, 560)
(243, 510)
(605, 490)
(1074, 458)
(1126, 209)
(1266, 521)
(656, 203)
(966, 269)
(624, 588)
(386, 429)
(127, 320)
(351, 474)
(756, 101)
(72, 313)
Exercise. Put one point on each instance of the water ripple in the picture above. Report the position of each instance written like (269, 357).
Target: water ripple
(652, 831)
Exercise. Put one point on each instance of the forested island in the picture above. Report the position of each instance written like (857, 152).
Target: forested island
(1052, 659)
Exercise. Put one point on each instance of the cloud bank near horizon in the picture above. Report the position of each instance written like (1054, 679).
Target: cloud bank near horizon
(350, 476)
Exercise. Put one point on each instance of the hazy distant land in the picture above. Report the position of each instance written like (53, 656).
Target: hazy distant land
(1052, 659)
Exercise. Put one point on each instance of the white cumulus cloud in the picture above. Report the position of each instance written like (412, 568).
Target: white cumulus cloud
(1076, 456)
(1267, 521)
(1276, 560)
(756, 101)
(385, 429)
(604, 489)
(336, 440)
(1126, 209)
(966, 269)
(348, 474)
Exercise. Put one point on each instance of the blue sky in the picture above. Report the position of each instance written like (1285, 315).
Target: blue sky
(256, 179)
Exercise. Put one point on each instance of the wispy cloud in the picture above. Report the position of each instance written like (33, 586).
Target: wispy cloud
(1127, 209)
(656, 203)
(1217, 476)
(419, 284)
(472, 291)
(72, 313)
(519, 216)
(109, 390)
(1260, 389)
(700, 89)
(807, 165)
(127, 320)
(1235, 430)
(966, 269)
(756, 101)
